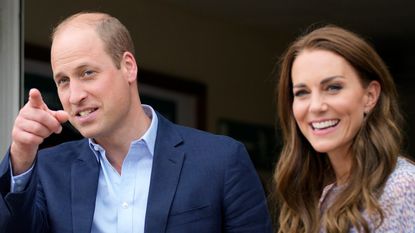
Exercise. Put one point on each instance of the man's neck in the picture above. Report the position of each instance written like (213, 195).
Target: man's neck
(118, 144)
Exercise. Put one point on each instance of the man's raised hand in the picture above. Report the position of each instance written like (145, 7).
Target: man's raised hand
(33, 124)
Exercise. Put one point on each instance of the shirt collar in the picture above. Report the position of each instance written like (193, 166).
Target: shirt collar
(149, 137)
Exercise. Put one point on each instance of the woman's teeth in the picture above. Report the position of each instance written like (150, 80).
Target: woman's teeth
(324, 124)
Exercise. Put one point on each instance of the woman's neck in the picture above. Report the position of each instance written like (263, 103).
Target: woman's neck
(341, 163)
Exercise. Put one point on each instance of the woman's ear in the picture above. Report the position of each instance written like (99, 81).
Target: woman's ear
(372, 95)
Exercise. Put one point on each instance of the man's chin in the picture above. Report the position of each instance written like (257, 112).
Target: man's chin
(86, 132)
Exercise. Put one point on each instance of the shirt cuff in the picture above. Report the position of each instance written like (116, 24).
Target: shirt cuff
(19, 182)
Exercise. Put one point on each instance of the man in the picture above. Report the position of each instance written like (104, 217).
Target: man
(135, 171)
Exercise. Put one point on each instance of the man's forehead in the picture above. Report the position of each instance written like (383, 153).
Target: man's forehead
(90, 16)
(81, 21)
(71, 27)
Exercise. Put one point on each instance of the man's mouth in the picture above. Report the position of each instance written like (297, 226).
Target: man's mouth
(85, 112)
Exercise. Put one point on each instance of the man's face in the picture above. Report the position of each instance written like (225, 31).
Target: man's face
(91, 89)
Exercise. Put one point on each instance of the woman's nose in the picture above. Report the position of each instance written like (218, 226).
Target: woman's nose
(317, 103)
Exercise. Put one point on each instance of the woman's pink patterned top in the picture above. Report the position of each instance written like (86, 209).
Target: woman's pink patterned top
(397, 200)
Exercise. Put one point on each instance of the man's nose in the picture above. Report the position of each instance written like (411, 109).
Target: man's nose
(77, 93)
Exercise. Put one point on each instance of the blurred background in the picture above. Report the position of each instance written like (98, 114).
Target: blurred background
(209, 63)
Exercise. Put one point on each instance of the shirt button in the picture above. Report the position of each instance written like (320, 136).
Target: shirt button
(96, 148)
(124, 205)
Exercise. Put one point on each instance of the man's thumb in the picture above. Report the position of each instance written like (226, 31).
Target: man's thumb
(61, 116)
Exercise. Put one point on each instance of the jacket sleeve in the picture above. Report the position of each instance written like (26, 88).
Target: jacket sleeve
(244, 199)
(19, 211)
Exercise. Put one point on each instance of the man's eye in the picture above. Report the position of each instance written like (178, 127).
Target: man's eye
(62, 81)
(88, 73)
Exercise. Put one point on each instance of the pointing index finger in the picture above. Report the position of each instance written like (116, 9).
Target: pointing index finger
(35, 99)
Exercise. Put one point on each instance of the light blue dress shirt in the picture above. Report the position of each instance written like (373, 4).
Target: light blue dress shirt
(121, 202)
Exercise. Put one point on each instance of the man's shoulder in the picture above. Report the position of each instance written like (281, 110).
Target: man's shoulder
(203, 137)
(214, 150)
(193, 136)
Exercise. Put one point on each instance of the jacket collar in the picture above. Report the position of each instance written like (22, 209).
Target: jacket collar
(167, 165)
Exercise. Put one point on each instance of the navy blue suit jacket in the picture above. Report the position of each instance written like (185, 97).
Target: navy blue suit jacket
(199, 183)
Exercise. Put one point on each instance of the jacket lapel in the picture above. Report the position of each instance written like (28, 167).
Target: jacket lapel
(84, 183)
(167, 165)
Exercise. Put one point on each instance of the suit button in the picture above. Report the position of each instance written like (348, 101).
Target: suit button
(124, 205)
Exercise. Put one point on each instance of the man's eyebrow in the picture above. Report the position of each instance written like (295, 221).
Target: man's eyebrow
(77, 69)
(57, 75)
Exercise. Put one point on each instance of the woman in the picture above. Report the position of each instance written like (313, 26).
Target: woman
(340, 169)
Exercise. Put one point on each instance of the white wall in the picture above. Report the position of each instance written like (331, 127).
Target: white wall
(10, 68)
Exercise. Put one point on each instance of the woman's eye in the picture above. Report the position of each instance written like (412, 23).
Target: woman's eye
(334, 88)
(300, 93)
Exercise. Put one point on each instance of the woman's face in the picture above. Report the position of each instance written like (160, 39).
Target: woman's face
(329, 100)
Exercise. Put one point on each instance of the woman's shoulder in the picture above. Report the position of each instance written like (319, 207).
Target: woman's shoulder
(401, 181)
(398, 199)
(404, 171)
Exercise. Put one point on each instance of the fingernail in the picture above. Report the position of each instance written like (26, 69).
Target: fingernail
(59, 130)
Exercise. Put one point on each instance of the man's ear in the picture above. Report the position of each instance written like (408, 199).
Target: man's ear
(372, 95)
(129, 65)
